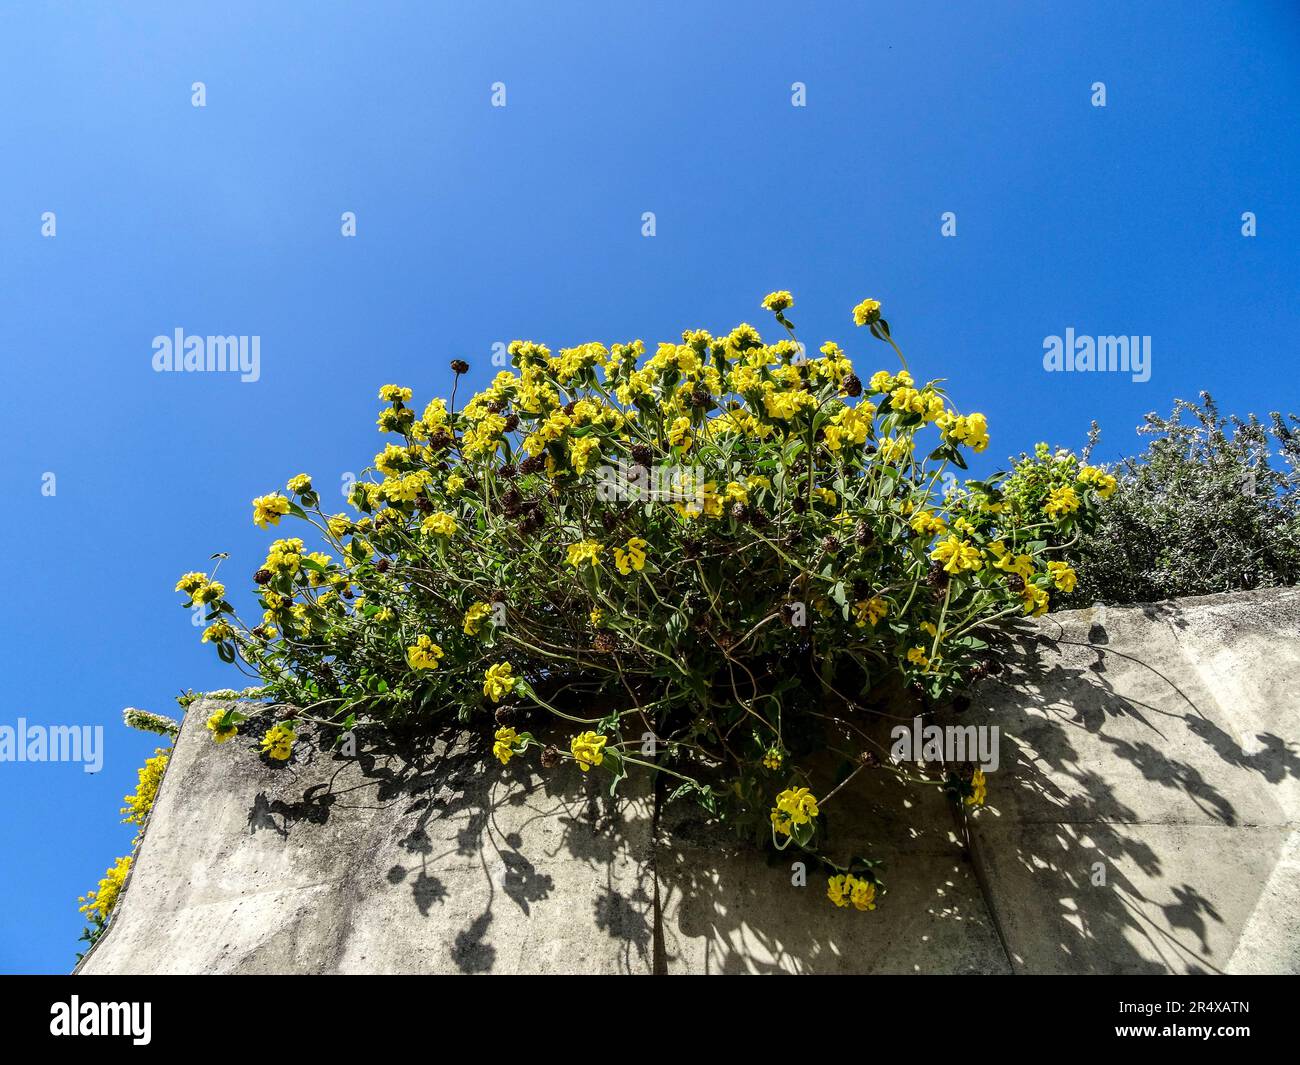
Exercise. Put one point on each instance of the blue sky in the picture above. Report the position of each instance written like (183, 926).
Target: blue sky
(478, 224)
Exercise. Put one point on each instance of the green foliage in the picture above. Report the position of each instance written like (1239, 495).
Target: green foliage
(723, 624)
(1213, 505)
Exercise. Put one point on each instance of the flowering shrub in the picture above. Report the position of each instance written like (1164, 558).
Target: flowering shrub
(98, 903)
(699, 564)
(1212, 505)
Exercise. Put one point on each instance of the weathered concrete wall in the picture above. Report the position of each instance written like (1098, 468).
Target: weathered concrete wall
(1146, 818)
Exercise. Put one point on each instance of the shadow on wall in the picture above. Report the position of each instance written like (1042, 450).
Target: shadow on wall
(1127, 820)
(460, 838)
(1130, 751)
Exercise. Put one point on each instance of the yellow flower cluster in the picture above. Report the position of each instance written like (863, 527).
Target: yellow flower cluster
(277, 743)
(504, 743)
(631, 556)
(794, 806)
(424, 653)
(268, 510)
(588, 749)
(140, 802)
(99, 903)
(846, 889)
(498, 681)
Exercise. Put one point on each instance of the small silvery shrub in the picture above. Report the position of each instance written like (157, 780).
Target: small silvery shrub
(1212, 505)
(700, 564)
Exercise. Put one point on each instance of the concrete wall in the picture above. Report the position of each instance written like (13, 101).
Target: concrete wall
(1145, 819)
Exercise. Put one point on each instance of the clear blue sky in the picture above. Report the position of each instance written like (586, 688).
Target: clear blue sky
(479, 224)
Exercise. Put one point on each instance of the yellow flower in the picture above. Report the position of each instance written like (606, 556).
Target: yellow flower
(150, 777)
(584, 551)
(870, 611)
(268, 510)
(794, 806)
(979, 784)
(588, 749)
(774, 758)
(1063, 500)
(1062, 575)
(474, 618)
(209, 592)
(917, 657)
(191, 582)
(504, 747)
(424, 653)
(735, 492)
(866, 312)
(596, 617)
(776, 302)
(957, 555)
(838, 888)
(1034, 599)
(440, 523)
(632, 557)
(299, 485)
(1021, 565)
(971, 429)
(394, 394)
(218, 633)
(927, 523)
(580, 453)
(99, 903)
(679, 433)
(278, 742)
(862, 893)
(498, 681)
(455, 484)
(1104, 483)
(895, 449)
